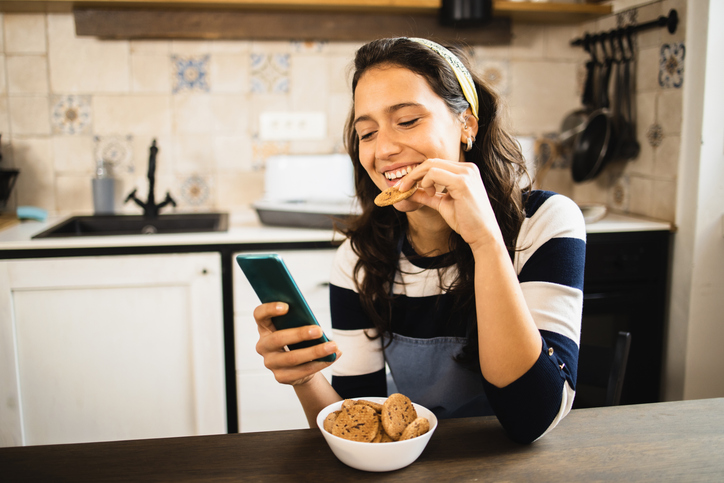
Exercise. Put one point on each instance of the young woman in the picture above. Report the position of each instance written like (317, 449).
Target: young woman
(471, 289)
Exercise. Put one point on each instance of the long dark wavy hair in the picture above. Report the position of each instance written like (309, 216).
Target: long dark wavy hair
(374, 235)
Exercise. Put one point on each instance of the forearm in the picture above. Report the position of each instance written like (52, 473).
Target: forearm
(508, 338)
(315, 395)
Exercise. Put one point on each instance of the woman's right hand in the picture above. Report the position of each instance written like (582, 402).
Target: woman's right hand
(295, 367)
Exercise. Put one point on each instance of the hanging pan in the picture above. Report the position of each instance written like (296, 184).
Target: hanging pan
(594, 146)
(575, 121)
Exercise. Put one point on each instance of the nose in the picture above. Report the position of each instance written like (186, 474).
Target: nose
(386, 143)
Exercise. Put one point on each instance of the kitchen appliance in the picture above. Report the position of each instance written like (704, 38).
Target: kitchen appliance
(465, 13)
(625, 291)
(307, 191)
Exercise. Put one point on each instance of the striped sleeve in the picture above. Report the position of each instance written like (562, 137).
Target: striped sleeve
(361, 369)
(549, 263)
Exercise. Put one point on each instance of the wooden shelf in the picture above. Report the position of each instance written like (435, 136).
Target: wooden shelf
(549, 12)
(332, 20)
(537, 12)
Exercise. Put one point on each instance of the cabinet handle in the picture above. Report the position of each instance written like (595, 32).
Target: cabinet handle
(323, 284)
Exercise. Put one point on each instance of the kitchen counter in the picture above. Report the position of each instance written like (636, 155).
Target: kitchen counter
(244, 229)
(674, 441)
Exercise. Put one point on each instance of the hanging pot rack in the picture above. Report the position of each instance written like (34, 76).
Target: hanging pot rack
(670, 21)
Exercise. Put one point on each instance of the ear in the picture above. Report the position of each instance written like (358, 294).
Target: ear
(467, 119)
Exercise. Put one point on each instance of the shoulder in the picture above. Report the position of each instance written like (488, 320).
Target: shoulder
(549, 215)
(345, 261)
(551, 220)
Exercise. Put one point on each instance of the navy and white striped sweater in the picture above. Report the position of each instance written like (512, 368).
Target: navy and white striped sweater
(549, 263)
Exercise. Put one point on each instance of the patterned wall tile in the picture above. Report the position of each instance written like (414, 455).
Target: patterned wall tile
(71, 114)
(190, 73)
(309, 47)
(671, 65)
(115, 152)
(195, 191)
(261, 150)
(655, 135)
(270, 73)
(496, 73)
(620, 193)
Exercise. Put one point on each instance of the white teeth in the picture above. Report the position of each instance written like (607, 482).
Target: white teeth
(399, 173)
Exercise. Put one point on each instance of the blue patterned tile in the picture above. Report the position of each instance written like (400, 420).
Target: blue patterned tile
(270, 73)
(671, 65)
(190, 74)
(71, 114)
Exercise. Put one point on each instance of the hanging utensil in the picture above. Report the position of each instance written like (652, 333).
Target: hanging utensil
(595, 145)
(628, 146)
(574, 122)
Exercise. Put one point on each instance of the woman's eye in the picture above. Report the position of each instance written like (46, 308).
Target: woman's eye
(409, 123)
(366, 136)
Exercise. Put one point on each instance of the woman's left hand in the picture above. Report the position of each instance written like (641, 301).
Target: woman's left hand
(464, 204)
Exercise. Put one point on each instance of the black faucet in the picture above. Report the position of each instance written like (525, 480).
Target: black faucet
(150, 208)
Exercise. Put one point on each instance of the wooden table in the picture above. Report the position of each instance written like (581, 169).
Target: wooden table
(676, 441)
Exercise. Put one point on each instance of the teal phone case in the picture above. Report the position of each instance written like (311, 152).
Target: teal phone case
(271, 280)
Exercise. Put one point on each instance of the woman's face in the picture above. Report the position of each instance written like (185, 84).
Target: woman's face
(400, 123)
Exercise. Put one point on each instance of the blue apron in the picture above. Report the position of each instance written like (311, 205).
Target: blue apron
(425, 370)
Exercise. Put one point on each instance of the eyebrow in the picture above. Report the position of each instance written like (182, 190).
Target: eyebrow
(389, 110)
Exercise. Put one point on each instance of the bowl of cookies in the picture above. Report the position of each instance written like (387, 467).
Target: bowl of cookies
(377, 434)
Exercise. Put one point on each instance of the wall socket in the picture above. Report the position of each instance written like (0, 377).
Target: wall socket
(292, 126)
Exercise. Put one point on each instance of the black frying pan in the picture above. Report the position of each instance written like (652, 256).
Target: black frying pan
(595, 145)
(575, 121)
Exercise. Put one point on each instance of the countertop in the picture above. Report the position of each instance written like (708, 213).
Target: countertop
(244, 228)
(673, 441)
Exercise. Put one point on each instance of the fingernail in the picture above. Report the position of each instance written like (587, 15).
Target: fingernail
(315, 331)
(281, 307)
(330, 347)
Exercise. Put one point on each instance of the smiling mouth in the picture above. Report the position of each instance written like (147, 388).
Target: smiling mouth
(399, 173)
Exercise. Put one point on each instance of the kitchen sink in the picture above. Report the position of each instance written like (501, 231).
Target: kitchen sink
(114, 225)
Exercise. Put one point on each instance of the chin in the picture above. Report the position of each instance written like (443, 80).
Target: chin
(407, 206)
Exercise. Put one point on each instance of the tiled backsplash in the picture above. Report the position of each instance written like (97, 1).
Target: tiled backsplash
(66, 102)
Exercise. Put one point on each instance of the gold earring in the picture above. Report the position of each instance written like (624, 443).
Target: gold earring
(469, 146)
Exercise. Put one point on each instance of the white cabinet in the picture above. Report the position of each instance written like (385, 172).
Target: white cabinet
(264, 404)
(109, 348)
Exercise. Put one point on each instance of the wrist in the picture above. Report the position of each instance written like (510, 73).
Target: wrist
(486, 246)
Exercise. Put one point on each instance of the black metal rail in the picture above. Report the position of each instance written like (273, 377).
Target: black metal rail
(670, 21)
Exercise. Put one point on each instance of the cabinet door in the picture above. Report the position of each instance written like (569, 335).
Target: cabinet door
(264, 404)
(109, 348)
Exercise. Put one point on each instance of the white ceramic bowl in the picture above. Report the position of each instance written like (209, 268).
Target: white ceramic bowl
(593, 212)
(377, 456)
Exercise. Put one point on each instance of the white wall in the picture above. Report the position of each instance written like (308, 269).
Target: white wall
(694, 359)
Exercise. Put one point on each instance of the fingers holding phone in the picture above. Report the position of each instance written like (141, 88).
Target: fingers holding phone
(291, 366)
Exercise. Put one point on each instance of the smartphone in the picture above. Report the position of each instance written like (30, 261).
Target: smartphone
(271, 280)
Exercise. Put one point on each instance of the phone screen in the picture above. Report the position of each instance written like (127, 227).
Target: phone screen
(271, 280)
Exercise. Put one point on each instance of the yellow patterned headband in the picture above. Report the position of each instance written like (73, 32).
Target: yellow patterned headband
(463, 75)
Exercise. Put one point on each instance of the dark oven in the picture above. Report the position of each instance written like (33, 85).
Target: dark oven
(625, 289)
